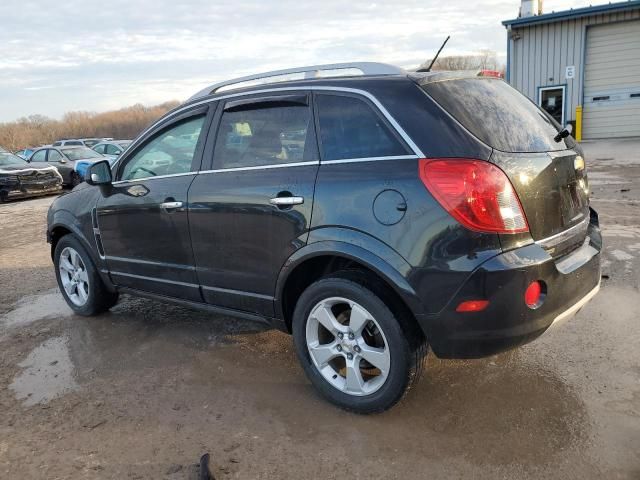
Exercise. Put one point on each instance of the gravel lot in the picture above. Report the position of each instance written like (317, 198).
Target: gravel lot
(143, 391)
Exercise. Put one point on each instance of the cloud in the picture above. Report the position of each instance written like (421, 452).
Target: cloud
(88, 55)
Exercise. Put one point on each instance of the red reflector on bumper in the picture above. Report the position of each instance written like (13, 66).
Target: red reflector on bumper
(472, 306)
(533, 294)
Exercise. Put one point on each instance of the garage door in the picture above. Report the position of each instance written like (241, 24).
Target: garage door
(612, 81)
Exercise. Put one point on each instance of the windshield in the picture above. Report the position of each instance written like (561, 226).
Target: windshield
(7, 159)
(80, 153)
(497, 114)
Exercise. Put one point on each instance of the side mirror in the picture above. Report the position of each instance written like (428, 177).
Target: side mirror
(98, 173)
(63, 160)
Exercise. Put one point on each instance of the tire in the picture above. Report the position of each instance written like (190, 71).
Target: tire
(82, 289)
(384, 332)
(75, 179)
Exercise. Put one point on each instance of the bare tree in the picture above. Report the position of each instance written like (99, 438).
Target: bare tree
(482, 60)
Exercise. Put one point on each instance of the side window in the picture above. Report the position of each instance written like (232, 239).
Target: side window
(57, 144)
(349, 128)
(110, 149)
(168, 153)
(39, 156)
(100, 149)
(267, 134)
(54, 156)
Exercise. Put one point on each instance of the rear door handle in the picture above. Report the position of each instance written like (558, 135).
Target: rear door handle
(286, 201)
(166, 206)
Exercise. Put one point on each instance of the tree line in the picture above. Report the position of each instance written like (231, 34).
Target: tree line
(36, 130)
(482, 60)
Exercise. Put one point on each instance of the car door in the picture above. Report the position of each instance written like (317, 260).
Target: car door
(252, 209)
(64, 166)
(143, 222)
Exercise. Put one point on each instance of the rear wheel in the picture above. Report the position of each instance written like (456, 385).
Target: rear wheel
(78, 279)
(352, 346)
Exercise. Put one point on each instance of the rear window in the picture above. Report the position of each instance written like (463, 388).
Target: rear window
(497, 114)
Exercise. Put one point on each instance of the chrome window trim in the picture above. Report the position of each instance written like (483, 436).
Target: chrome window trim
(314, 88)
(260, 167)
(370, 159)
(144, 179)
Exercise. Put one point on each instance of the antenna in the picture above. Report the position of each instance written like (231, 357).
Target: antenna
(428, 69)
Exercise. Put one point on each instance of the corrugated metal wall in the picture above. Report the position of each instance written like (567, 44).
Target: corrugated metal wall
(540, 56)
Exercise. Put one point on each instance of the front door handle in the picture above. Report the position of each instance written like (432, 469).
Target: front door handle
(286, 201)
(167, 206)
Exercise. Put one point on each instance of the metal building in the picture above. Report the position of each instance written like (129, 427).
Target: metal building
(581, 65)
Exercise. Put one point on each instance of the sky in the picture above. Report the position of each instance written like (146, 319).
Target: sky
(98, 55)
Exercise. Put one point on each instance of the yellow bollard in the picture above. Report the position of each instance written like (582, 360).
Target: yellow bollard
(579, 123)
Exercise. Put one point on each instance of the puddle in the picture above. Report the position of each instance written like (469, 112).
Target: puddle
(623, 231)
(36, 307)
(601, 178)
(621, 255)
(48, 373)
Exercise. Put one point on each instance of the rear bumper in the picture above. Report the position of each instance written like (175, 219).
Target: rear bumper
(571, 281)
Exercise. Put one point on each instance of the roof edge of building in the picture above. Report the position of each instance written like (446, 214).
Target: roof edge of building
(573, 13)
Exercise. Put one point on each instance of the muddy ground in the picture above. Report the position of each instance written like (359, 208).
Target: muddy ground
(143, 391)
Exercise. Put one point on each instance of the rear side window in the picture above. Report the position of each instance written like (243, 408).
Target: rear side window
(350, 128)
(54, 156)
(497, 114)
(111, 150)
(39, 156)
(264, 135)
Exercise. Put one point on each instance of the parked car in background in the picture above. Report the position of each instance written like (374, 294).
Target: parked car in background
(19, 179)
(373, 216)
(64, 159)
(68, 143)
(112, 149)
(90, 142)
(24, 154)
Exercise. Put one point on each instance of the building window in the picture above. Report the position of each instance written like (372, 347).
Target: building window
(552, 100)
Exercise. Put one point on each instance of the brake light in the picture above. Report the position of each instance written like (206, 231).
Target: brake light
(476, 193)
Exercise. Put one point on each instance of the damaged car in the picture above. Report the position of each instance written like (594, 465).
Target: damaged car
(19, 179)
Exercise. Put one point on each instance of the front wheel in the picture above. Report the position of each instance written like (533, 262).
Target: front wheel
(78, 279)
(352, 347)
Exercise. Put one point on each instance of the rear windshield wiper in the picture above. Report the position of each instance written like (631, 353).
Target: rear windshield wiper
(564, 133)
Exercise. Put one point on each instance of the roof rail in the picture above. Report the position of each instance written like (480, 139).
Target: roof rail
(301, 73)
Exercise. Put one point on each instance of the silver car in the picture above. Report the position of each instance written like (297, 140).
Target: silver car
(112, 149)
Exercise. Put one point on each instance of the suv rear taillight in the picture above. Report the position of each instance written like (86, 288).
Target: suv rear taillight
(476, 193)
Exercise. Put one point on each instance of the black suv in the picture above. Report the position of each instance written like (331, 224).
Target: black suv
(369, 211)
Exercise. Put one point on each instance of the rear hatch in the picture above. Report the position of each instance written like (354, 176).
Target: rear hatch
(548, 176)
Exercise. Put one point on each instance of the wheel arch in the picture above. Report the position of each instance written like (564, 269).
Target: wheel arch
(321, 258)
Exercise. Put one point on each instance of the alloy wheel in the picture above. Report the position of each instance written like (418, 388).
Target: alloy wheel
(347, 346)
(74, 276)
